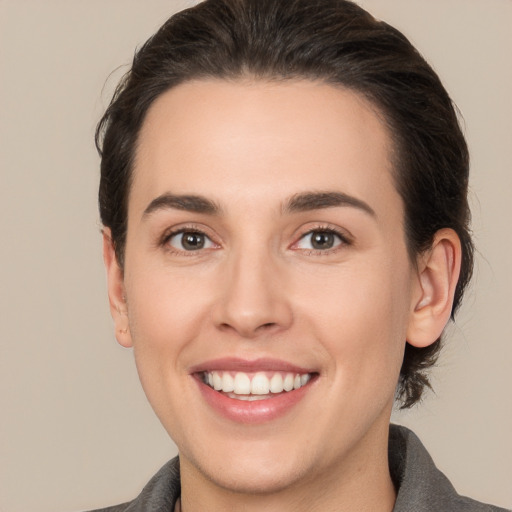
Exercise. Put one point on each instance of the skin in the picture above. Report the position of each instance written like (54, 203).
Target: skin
(259, 289)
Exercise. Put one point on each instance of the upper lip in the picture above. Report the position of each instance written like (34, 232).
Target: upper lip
(249, 365)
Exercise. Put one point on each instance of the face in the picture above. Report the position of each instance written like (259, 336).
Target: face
(266, 258)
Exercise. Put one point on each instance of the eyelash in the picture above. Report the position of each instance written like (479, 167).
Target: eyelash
(168, 235)
(344, 240)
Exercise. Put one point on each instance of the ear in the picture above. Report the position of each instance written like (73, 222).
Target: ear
(438, 274)
(116, 293)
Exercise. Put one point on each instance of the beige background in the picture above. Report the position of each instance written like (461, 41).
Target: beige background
(75, 429)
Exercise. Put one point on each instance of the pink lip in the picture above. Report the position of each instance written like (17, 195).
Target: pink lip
(257, 411)
(245, 365)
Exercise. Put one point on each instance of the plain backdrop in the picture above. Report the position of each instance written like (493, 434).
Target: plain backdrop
(75, 429)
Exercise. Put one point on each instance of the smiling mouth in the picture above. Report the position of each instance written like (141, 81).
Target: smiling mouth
(254, 386)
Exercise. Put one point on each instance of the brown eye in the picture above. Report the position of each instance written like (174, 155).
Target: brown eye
(320, 240)
(190, 241)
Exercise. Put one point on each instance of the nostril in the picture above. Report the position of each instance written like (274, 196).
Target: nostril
(226, 326)
(269, 326)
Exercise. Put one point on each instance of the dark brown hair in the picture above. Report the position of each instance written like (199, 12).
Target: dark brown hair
(333, 41)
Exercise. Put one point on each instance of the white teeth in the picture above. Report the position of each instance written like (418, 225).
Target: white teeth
(245, 385)
(304, 379)
(217, 381)
(247, 398)
(228, 383)
(276, 383)
(242, 384)
(260, 384)
(288, 382)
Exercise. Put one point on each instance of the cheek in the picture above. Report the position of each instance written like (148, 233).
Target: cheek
(162, 306)
(162, 312)
(361, 316)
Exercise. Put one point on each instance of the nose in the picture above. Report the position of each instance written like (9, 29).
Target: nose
(253, 299)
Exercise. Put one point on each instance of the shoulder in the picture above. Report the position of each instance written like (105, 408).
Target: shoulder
(421, 486)
(116, 508)
(159, 494)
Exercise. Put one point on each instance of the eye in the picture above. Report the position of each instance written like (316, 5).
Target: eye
(190, 241)
(319, 240)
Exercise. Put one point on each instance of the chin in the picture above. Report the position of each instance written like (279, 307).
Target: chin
(263, 465)
(262, 476)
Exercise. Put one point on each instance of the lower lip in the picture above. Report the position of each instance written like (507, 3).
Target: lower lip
(256, 411)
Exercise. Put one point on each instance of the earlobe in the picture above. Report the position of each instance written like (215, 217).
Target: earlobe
(438, 274)
(116, 292)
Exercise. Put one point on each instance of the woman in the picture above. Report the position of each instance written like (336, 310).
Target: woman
(284, 200)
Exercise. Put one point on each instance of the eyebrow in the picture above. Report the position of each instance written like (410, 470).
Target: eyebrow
(319, 200)
(302, 202)
(191, 203)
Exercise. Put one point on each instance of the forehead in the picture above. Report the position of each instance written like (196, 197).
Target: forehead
(201, 136)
